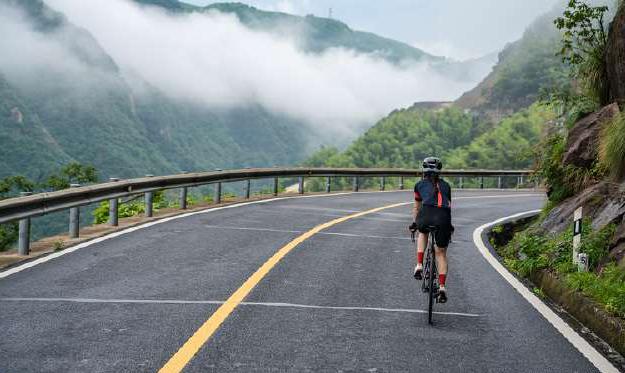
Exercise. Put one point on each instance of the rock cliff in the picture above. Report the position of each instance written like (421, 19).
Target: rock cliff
(615, 57)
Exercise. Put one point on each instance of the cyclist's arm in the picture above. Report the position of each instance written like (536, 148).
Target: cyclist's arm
(450, 204)
(418, 201)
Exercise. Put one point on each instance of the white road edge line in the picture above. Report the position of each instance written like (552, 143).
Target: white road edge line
(216, 302)
(569, 333)
(69, 250)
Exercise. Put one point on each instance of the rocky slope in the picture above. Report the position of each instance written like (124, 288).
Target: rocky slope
(604, 202)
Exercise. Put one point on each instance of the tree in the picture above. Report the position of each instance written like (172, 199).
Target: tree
(584, 44)
(11, 186)
(73, 173)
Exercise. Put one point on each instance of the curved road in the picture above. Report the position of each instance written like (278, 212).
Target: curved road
(343, 300)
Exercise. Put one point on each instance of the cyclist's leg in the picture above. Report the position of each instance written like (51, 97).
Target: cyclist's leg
(441, 263)
(422, 243)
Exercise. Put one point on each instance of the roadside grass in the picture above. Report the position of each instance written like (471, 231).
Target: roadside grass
(531, 250)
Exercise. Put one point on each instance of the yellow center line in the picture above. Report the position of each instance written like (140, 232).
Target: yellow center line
(203, 334)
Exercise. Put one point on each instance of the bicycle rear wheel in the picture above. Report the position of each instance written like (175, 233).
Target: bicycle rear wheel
(430, 279)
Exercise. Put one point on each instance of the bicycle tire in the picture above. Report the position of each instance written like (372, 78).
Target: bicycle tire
(431, 276)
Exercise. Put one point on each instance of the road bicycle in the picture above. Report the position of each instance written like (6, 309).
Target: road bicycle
(430, 272)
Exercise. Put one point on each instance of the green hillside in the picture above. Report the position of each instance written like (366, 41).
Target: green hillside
(406, 137)
(87, 112)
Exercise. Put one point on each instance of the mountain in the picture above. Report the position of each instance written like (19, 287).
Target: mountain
(313, 34)
(317, 34)
(80, 107)
(76, 103)
(525, 68)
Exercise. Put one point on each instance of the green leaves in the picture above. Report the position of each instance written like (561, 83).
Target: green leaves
(73, 173)
(15, 184)
(584, 40)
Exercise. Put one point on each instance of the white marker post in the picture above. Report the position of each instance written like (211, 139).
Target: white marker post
(577, 234)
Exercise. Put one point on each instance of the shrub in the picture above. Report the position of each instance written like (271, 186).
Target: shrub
(608, 288)
(8, 235)
(125, 210)
(562, 181)
(532, 250)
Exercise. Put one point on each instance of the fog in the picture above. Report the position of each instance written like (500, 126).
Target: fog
(213, 60)
(35, 62)
(458, 29)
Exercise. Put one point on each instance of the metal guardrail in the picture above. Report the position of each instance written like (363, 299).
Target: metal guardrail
(28, 206)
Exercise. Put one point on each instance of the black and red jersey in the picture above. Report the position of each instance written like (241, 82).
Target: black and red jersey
(431, 193)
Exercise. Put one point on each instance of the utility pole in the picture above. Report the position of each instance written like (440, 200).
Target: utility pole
(330, 13)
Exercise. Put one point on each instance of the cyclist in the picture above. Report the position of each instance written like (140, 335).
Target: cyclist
(433, 208)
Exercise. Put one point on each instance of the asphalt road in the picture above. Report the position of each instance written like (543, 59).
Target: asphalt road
(343, 300)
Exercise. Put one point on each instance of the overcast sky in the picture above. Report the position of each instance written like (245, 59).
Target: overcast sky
(454, 28)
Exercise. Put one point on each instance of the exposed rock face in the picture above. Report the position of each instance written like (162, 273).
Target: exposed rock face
(615, 57)
(603, 203)
(582, 141)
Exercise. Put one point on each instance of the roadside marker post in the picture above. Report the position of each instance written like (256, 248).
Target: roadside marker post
(577, 235)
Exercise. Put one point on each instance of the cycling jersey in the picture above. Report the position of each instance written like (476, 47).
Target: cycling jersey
(431, 194)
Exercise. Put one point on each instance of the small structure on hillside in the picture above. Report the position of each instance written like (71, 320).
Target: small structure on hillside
(17, 115)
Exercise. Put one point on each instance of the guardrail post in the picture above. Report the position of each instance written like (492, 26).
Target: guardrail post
(356, 184)
(24, 233)
(113, 208)
(499, 184)
(183, 198)
(300, 186)
(401, 183)
(149, 202)
(248, 188)
(217, 193)
(461, 182)
(328, 184)
(74, 218)
(275, 186)
(184, 191)
(382, 183)
(481, 182)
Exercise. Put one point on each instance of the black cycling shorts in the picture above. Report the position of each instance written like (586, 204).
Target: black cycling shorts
(438, 217)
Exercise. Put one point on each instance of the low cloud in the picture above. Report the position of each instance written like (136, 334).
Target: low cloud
(212, 59)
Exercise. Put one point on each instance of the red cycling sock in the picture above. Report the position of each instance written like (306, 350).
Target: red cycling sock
(420, 258)
(441, 279)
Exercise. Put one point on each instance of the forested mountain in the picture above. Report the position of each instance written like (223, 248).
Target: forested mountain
(526, 68)
(86, 111)
(72, 102)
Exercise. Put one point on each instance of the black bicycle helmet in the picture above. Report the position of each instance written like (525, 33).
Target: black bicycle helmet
(432, 164)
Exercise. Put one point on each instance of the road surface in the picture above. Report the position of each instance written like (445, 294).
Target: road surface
(342, 300)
